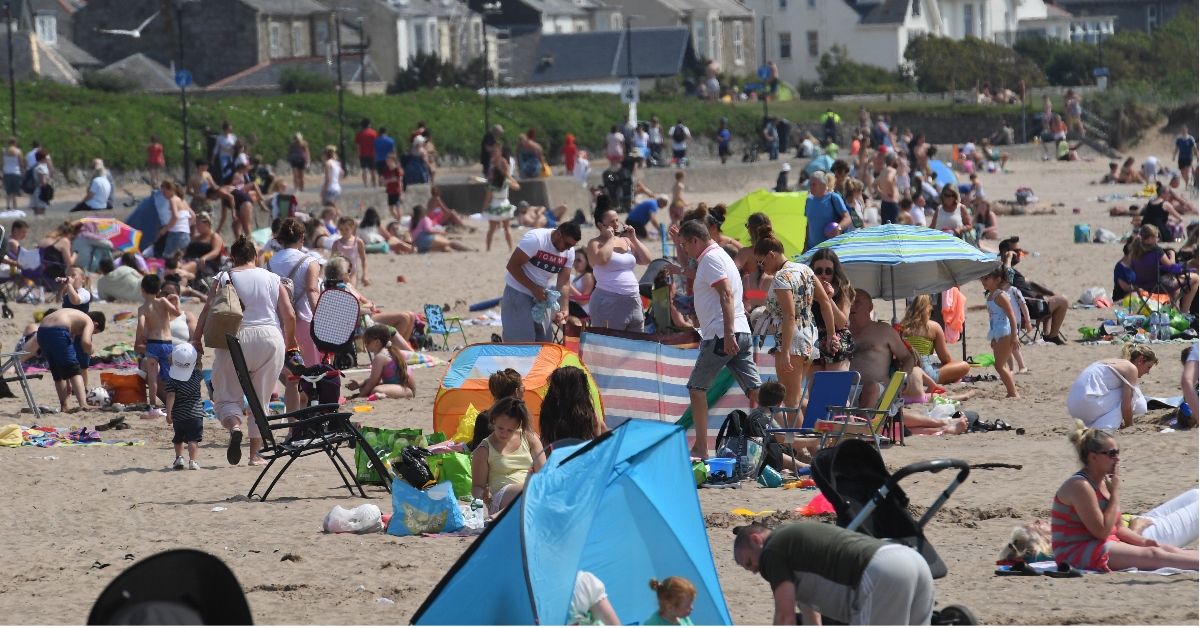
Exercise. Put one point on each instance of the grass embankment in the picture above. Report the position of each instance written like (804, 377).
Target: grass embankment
(77, 124)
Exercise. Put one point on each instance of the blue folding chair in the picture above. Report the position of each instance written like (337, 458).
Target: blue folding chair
(437, 323)
(825, 389)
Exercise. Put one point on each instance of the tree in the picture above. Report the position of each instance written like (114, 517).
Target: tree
(297, 80)
(426, 71)
(941, 64)
(839, 75)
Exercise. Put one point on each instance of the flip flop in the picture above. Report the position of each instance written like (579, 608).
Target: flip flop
(1002, 426)
(1065, 570)
(234, 453)
(1018, 568)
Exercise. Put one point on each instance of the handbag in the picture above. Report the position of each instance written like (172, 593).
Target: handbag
(545, 171)
(424, 512)
(224, 315)
(46, 193)
(413, 467)
(454, 468)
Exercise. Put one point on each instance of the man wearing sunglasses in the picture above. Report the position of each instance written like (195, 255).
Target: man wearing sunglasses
(541, 255)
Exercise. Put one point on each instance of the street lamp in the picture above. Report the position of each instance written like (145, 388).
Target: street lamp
(187, 153)
(488, 9)
(337, 38)
(767, 79)
(629, 64)
(12, 83)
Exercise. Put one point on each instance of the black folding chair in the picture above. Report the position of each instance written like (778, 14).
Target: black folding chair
(312, 430)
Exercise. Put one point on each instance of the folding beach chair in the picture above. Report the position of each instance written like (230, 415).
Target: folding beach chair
(335, 321)
(13, 361)
(439, 324)
(871, 423)
(826, 389)
(312, 430)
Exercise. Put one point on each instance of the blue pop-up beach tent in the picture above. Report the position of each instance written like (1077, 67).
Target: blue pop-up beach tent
(623, 507)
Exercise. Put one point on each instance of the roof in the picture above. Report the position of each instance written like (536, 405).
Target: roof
(287, 7)
(596, 55)
(1057, 11)
(266, 75)
(435, 8)
(562, 7)
(74, 55)
(50, 64)
(887, 12)
(727, 8)
(150, 74)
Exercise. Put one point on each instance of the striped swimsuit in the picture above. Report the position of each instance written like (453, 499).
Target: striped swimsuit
(1071, 540)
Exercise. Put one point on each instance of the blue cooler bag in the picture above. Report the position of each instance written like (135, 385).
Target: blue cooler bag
(430, 511)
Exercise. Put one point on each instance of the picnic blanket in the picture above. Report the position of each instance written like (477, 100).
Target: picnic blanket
(418, 360)
(40, 436)
(1049, 565)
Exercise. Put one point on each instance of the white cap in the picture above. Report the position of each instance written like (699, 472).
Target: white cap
(183, 362)
(786, 167)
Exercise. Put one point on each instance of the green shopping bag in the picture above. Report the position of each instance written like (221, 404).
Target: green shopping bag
(387, 445)
(452, 467)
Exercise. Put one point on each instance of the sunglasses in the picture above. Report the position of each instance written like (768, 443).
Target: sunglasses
(828, 270)
(1111, 453)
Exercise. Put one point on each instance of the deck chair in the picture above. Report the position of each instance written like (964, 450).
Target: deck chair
(14, 362)
(825, 389)
(335, 321)
(872, 423)
(1155, 279)
(313, 430)
(1040, 324)
(660, 311)
(438, 323)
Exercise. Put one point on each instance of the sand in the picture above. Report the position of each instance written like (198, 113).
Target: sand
(78, 520)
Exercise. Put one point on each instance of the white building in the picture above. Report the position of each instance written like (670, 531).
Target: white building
(877, 32)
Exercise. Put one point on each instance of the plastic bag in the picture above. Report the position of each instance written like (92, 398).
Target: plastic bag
(1090, 295)
(474, 516)
(388, 445)
(424, 512)
(942, 408)
(454, 468)
(365, 519)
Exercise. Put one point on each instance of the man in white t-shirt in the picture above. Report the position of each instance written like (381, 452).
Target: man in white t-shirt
(98, 192)
(541, 255)
(724, 330)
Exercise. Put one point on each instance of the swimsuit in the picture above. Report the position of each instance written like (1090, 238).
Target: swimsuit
(351, 253)
(998, 326)
(1072, 541)
(59, 349)
(161, 350)
(391, 374)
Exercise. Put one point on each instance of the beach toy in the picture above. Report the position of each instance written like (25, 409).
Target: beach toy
(401, 279)
(118, 317)
(1083, 234)
(363, 408)
(38, 316)
(770, 478)
(485, 305)
(831, 229)
(718, 465)
(750, 513)
(984, 360)
(818, 506)
(1089, 333)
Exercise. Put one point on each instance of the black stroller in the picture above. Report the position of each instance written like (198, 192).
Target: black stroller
(868, 499)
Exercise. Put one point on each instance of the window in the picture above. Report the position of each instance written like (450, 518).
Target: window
(323, 39)
(785, 45)
(47, 27)
(418, 38)
(968, 20)
(298, 40)
(714, 40)
(916, 8)
(614, 21)
(814, 44)
(701, 39)
(273, 29)
(739, 50)
(432, 40)
(783, 5)
(1151, 17)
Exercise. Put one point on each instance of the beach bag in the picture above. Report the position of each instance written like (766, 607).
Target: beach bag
(454, 468)
(545, 172)
(424, 512)
(413, 467)
(678, 134)
(388, 445)
(224, 316)
(46, 193)
(741, 438)
(28, 183)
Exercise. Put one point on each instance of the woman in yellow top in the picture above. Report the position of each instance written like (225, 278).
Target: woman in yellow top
(503, 460)
(927, 338)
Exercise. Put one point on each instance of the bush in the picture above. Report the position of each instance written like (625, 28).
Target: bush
(427, 71)
(839, 75)
(941, 64)
(1063, 62)
(109, 82)
(297, 80)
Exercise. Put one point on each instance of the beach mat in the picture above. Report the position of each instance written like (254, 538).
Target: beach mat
(1049, 565)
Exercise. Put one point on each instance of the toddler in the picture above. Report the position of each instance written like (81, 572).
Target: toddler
(352, 247)
(185, 411)
(675, 599)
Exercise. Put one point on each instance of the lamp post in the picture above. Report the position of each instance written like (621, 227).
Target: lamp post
(489, 9)
(362, 54)
(187, 154)
(629, 65)
(766, 81)
(337, 38)
(12, 83)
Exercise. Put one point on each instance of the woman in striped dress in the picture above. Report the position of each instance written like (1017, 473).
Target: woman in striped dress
(1087, 508)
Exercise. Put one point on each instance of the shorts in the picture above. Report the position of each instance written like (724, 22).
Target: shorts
(367, 163)
(188, 431)
(298, 164)
(723, 150)
(1182, 163)
(639, 228)
(889, 212)
(331, 196)
(932, 370)
(615, 311)
(59, 349)
(679, 154)
(12, 184)
(176, 241)
(709, 364)
(516, 318)
(161, 350)
(380, 166)
(393, 200)
(423, 242)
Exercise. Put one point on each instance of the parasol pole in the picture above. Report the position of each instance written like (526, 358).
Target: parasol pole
(892, 269)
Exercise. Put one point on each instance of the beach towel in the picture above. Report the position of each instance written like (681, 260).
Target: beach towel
(954, 313)
(1049, 565)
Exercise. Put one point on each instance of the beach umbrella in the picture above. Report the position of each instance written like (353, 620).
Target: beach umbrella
(122, 236)
(944, 173)
(901, 261)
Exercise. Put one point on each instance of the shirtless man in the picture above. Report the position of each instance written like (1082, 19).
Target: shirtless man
(889, 195)
(876, 344)
(153, 339)
(879, 162)
(64, 336)
(199, 184)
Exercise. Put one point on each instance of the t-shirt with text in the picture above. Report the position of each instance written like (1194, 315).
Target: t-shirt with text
(545, 261)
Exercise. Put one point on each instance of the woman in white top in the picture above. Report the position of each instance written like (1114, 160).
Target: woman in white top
(13, 173)
(179, 229)
(616, 302)
(332, 189)
(951, 215)
(292, 262)
(1106, 395)
(268, 319)
(182, 325)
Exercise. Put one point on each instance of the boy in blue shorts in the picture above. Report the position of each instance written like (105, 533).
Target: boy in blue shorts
(153, 338)
(64, 336)
(185, 411)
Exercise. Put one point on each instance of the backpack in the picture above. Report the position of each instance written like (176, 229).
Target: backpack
(28, 182)
(742, 438)
(224, 315)
(678, 134)
(288, 284)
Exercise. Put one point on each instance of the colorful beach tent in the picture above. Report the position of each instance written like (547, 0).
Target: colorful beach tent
(145, 218)
(944, 173)
(622, 507)
(465, 384)
(786, 210)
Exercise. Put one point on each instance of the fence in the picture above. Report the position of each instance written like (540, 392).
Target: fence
(963, 94)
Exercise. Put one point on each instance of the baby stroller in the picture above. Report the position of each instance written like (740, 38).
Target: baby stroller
(335, 323)
(869, 500)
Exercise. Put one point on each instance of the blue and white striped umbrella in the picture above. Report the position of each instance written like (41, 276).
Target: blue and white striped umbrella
(901, 261)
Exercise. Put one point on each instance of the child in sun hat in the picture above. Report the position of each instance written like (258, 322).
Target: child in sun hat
(185, 411)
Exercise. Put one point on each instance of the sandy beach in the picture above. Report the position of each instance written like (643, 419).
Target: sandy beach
(80, 515)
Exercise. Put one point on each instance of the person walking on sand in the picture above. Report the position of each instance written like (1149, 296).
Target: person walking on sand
(1185, 151)
(496, 207)
(365, 141)
(299, 159)
(1002, 326)
(154, 160)
(13, 173)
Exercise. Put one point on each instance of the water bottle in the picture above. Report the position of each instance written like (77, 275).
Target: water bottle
(1164, 327)
(1154, 324)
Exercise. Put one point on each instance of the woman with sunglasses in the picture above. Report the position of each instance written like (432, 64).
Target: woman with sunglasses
(1084, 530)
(833, 281)
(952, 215)
(1106, 395)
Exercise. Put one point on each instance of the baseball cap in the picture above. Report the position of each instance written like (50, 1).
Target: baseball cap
(183, 362)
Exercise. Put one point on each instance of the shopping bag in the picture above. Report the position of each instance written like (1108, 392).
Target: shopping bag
(454, 468)
(424, 512)
(388, 445)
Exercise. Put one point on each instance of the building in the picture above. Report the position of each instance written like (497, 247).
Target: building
(598, 59)
(1138, 15)
(550, 16)
(220, 37)
(876, 32)
(398, 30)
(53, 21)
(724, 31)
(358, 75)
